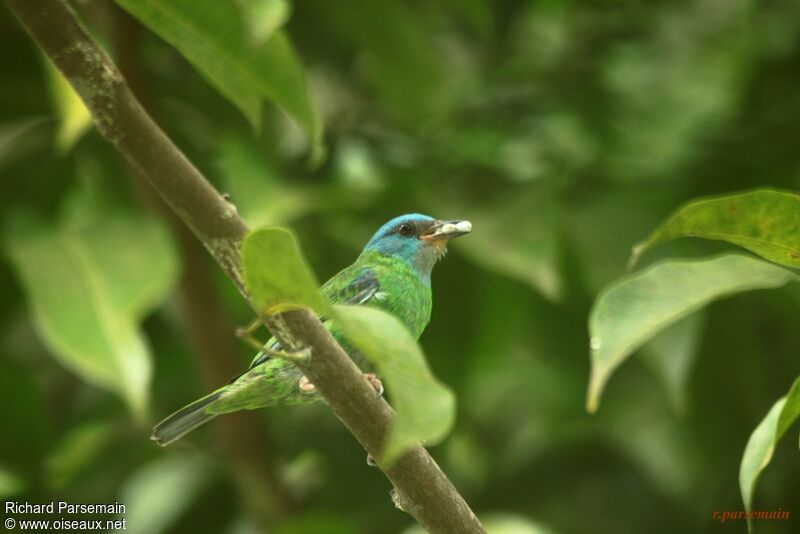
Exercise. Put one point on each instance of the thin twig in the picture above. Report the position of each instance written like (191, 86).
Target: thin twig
(421, 486)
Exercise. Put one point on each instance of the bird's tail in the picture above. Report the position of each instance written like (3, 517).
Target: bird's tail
(184, 420)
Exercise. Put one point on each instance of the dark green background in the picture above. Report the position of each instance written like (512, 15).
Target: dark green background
(565, 131)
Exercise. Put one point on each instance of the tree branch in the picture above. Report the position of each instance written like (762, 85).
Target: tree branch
(421, 488)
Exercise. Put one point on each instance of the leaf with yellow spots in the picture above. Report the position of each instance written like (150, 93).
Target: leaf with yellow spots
(765, 221)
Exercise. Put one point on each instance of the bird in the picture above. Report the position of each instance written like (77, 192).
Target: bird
(392, 273)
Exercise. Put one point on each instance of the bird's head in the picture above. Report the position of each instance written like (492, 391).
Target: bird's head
(417, 239)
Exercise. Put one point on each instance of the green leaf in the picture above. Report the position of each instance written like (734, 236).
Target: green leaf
(635, 308)
(277, 275)
(213, 36)
(74, 118)
(762, 442)
(766, 222)
(89, 282)
(278, 278)
(425, 408)
(284, 83)
(158, 494)
(671, 353)
(791, 411)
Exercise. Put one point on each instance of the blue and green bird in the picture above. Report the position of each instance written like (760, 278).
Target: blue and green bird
(392, 273)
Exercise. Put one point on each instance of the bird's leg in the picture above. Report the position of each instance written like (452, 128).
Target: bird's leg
(245, 333)
(375, 382)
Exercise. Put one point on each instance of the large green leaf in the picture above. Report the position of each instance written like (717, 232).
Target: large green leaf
(425, 408)
(89, 283)
(761, 445)
(278, 278)
(766, 222)
(635, 308)
(215, 38)
(671, 353)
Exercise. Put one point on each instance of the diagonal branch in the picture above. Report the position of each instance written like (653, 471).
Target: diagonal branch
(421, 488)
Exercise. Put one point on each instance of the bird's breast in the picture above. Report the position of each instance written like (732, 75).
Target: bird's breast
(407, 298)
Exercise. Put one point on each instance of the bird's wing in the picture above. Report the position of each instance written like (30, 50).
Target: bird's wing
(363, 287)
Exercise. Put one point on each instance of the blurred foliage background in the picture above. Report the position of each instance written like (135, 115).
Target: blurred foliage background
(564, 130)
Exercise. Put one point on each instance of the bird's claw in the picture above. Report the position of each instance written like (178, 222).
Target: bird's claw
(394, 494)
(371, 461)
(305, 385)
(375, 382)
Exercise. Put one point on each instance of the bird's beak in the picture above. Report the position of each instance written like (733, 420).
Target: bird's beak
(446, 230)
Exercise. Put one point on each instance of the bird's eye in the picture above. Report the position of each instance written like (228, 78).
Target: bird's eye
(405, 229)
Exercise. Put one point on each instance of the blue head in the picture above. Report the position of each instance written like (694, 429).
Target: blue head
(417, 239)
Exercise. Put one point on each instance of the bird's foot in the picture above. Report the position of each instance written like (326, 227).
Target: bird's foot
(297, 356)
(375, 382)
(245, 333)
(371, 461)
(305, 385)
